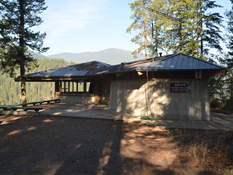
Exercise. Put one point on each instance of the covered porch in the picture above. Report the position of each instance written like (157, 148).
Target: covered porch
(76, 83)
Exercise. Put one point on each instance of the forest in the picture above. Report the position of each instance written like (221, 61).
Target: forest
(36, 91)
(193, 27)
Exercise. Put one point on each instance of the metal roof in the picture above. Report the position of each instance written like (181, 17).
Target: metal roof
(124, 67)
(179, 61)
(83, 69)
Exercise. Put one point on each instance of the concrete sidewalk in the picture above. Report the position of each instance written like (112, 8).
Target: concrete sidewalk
(219, 121)
(77, 110)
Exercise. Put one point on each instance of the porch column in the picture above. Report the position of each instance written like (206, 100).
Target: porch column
(96, 92)
(57, 89)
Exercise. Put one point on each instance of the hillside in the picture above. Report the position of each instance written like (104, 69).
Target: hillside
(110, 56)
(36, 55)
(36, 91)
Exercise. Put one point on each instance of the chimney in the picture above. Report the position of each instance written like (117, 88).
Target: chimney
(160, 54)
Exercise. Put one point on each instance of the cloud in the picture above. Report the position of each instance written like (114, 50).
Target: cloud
(63, 17)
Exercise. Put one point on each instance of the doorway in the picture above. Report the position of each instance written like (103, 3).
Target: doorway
(103, 93)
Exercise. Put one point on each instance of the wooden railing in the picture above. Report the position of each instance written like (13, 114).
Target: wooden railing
(24, 105)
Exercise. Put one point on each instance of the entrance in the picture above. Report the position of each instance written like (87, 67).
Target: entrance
(103, 93)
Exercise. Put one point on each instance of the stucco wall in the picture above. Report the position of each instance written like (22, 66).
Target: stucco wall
(130, 97)
(77, 99)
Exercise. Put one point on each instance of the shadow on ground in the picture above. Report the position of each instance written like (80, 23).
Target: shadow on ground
(59, 145)
(50, 145)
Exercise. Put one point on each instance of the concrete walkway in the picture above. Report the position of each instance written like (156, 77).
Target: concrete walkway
(219, 121)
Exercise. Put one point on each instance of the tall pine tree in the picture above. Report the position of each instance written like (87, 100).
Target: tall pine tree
(209, 24)
(192, 28)
(140, 25)
(229, 40)
(180, 26)
(187, 26)
(156, 33)
(17, 18)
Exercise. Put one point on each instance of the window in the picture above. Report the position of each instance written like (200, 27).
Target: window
(80, 86)
(76, 86)
(88, 86)
(72, 86)
(64, 86)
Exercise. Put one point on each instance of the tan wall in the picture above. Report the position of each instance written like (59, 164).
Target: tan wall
(77, 99)
(130, 97)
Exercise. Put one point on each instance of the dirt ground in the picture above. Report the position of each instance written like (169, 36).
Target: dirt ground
(59, 145)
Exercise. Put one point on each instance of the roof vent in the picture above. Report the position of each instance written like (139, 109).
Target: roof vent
(160, 54)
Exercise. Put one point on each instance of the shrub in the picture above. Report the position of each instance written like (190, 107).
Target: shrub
(214, 103)
(228, 104)
(145, 118)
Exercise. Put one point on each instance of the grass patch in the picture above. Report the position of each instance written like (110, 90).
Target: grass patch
(205, 149)
(145, 118)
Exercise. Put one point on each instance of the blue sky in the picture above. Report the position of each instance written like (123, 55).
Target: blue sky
(91, 25)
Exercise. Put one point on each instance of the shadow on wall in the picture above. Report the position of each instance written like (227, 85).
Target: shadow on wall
(139, 98)
(78, 99)
(154, 99)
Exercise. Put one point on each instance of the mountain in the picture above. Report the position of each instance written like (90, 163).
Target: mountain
(110, 56)
(36, 55)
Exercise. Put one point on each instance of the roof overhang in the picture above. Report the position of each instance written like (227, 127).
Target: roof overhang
(210, 72)
(97, 70)
(52, 79)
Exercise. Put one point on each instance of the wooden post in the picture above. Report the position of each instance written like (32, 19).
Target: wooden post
(57, 89)
(96, 92)
(84, 86)
(128, 76)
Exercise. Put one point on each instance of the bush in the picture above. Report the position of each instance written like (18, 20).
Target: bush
(228, 104)
(214, 103)
(145, 118)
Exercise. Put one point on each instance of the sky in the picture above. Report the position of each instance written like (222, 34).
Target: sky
(91, 25)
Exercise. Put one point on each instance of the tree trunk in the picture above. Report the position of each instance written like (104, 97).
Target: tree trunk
(152, 32)
(156, 42)
(200, 25)
(145, 40)
(201, 39)
(180, 29)
(21, 53)
(180, 45)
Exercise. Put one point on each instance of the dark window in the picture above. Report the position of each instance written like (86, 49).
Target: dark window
(80, 86)
(76, 86)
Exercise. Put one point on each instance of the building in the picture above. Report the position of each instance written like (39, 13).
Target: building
(170, 87)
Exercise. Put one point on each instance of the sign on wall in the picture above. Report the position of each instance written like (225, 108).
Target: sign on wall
(180, 87)
(198, 74)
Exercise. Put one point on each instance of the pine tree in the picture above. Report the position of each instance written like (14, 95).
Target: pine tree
(229, 56)
(209, 25)
(156, 22)
(181, 26)
(140, 24)
(16, 37)
(186, 26)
